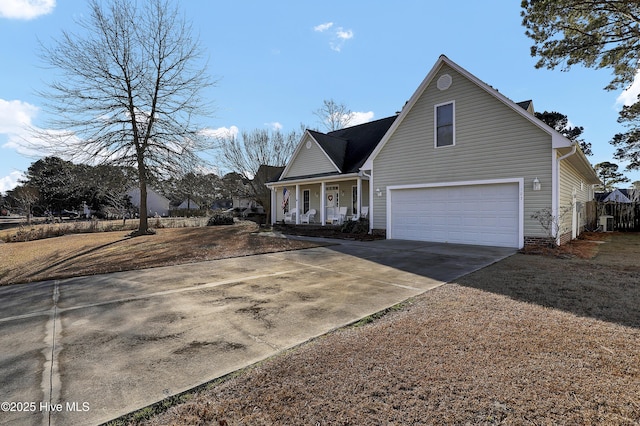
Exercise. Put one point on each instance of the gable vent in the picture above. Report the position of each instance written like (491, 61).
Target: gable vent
(444, 82)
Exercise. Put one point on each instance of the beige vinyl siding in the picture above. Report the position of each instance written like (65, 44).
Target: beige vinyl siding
(570, 180)
(309, 161)
(491, 142)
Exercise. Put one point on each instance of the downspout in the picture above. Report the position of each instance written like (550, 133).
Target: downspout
(568, 154)
(574, 149)
(370, 199)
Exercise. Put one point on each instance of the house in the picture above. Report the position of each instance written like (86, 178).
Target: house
(324, 172)
(619, 196)
(188, 205)
(157, 204)
(461, 163)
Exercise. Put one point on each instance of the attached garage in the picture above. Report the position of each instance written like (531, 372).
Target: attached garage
(488, 213)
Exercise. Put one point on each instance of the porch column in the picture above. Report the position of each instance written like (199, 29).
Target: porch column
(274, 206)
(297, 204)
(323, 196)
(359, 196)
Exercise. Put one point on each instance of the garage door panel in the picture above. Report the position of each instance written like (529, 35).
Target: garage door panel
(473, 214)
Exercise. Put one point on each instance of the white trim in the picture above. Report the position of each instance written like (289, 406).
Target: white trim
(519, 181)
(307, 191)
(311, 181)
(297, 204)
(323, 203)
(555, 189)
(435, 123)
(371, 202)
(274, 205)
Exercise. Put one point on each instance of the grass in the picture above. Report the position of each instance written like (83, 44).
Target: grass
(33, 232)
(102, 252)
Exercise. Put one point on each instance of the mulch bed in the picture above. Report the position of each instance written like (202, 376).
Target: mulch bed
(324, 232)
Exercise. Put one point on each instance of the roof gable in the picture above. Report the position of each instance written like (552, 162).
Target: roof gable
(309, 158)
(333, 146)
(558, 141)
(346, 149)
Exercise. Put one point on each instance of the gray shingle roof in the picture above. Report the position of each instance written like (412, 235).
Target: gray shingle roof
(349, 148)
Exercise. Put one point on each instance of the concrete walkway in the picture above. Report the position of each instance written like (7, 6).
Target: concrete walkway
(86, 350)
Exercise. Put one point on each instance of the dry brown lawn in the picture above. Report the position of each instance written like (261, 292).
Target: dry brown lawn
(531, 340)
(101, 252)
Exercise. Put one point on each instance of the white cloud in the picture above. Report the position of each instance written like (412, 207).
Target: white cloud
(275, 125)
(16, 116)
(323, 27)
(221, 132)
(25, 9)
(630, 95)
(361, 118)
(11, 181)
(16, 119)
(337, 37)
(344, 35)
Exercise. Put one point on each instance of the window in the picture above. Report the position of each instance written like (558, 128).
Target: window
(305, 200)
(354, 199)
(445, 125)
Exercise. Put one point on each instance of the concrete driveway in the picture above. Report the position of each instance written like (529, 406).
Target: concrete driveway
(86, 350)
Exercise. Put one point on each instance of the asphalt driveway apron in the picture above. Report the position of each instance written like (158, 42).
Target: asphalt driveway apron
(86, 350)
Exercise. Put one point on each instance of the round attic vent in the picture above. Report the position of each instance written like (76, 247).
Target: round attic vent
(444, 82)
(308, 144)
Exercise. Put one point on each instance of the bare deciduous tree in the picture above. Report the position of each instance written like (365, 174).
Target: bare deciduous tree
(334, 116)
(24, 197)
(247, 153)
(129, 91)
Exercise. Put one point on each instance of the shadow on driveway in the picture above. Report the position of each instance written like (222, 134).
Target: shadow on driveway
(437, 261)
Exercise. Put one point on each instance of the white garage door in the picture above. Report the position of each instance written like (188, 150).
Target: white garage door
(472, 214)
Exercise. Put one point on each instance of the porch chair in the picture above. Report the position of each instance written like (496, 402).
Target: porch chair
(364, 212)
(308, 217)
(342, 214)
(290, 216)
(330, 214)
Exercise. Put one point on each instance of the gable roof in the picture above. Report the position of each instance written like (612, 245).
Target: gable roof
(347, 148)
(361, 141)
(268, 173)
(527, 106)
(619, 195)
(557, 140)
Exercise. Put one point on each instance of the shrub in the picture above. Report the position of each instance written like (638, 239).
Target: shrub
(220, 219)
(360, 226)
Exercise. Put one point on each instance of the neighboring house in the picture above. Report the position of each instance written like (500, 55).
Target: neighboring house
(254, 195)
(244, 202)
(461, 163)
(619, 196)
(157, 204)
(188, 205)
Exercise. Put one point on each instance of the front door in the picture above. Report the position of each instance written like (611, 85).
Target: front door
(332, 202)
(332, 197)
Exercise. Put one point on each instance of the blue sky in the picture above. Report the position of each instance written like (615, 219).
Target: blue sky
(276, 61)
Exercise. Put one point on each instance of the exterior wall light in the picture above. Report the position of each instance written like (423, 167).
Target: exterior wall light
(378, 192)
(536, 184)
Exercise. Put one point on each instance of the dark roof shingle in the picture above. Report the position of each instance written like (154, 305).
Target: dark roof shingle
(350, 147)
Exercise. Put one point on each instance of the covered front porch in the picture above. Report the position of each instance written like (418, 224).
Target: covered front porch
(321, 201)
